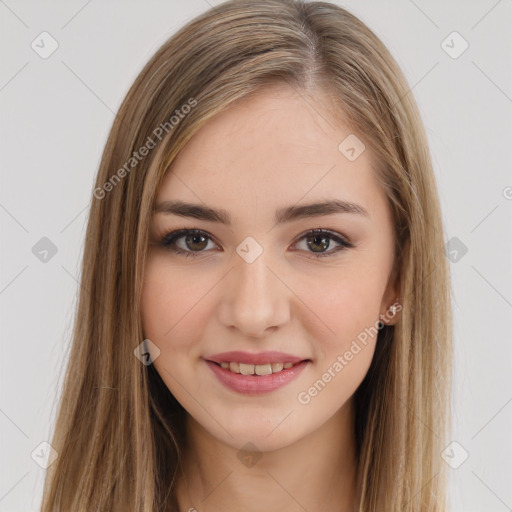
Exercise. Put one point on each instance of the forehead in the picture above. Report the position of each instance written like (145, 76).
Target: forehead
(275, 147)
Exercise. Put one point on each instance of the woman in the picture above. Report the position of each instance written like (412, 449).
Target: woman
(264, 320)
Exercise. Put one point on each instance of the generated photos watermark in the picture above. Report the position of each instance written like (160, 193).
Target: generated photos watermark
(143, 151)
(305, 397)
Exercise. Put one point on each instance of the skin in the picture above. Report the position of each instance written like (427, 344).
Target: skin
(275, 149)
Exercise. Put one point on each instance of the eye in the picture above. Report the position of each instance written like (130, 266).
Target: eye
(319, 239)
(196, 241)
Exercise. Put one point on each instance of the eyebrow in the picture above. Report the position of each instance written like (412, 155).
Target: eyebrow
(286, 214)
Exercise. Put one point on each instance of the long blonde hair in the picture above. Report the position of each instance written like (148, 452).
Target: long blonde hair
(119, 431)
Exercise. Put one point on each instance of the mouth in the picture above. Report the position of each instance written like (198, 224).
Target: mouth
(257, 369)
(256, 379)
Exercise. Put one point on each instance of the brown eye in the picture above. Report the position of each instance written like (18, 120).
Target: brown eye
(319, 240)
(194, 242)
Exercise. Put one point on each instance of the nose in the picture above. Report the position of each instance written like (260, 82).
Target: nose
(255, 299)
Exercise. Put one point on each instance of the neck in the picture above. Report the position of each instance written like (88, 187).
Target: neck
(317, 472)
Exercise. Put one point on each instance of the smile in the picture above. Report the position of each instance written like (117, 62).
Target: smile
(252, 383)
(255, 369)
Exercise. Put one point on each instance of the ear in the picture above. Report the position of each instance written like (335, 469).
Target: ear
(391, 305)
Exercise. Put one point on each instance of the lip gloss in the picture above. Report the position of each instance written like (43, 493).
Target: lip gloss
(256, 384)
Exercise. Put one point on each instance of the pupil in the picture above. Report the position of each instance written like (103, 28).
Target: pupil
(194, 240)
(316, 238)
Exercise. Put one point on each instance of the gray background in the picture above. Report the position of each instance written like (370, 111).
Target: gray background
(56, 114)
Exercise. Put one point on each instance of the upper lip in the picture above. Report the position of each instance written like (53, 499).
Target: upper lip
(259, 358)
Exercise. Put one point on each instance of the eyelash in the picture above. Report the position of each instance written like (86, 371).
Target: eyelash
(168, 241)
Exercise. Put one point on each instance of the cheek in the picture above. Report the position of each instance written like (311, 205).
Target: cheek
(349, 306)
(348, 302)
(171, 303)
(172, 308)
(154, 301)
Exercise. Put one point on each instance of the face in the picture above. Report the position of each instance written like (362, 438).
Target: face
(263, 283)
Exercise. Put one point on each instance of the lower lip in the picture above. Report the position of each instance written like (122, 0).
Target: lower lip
(256, 384)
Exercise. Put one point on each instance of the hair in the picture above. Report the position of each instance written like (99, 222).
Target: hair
(119, 431)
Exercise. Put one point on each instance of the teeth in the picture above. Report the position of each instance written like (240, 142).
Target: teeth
(263, 369)
(277, 367)
(255, 369)
(246, 369)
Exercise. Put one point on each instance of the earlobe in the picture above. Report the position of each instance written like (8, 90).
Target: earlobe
(391, 303)
(392, 314)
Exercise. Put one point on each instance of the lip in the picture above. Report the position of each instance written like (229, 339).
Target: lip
(260, 358)
(257, 384)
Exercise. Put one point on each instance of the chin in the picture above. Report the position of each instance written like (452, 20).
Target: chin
(261, 434)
